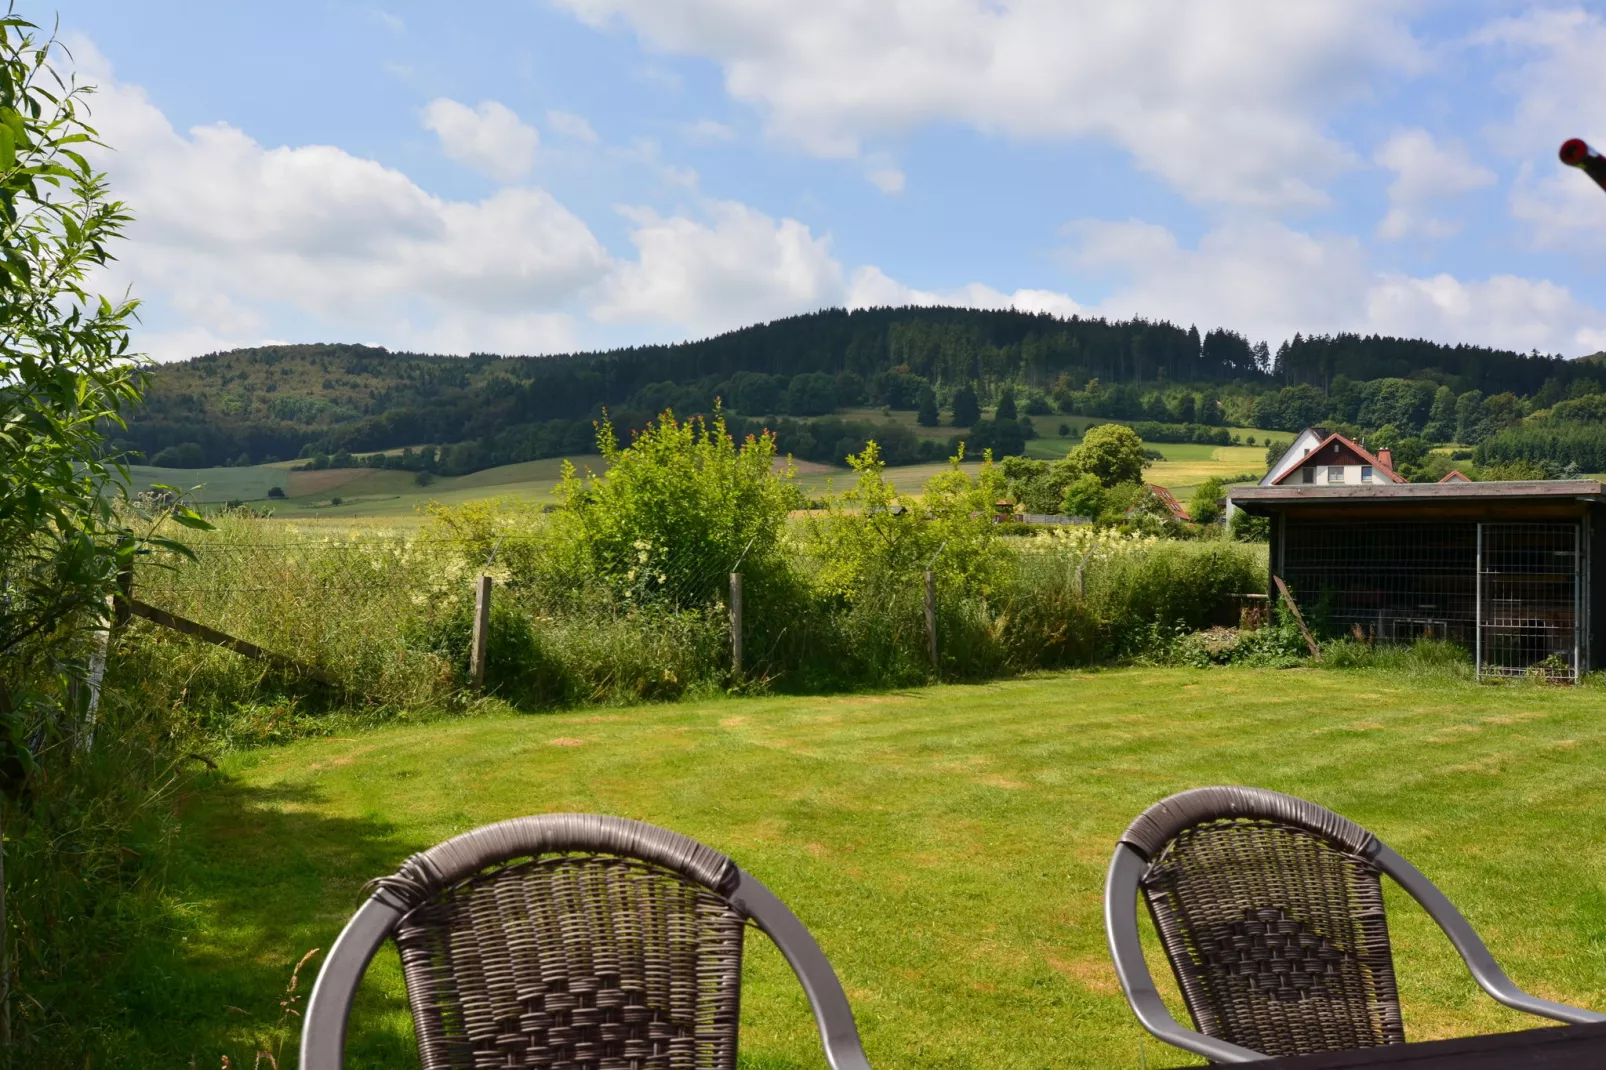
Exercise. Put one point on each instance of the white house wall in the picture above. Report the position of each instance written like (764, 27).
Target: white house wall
(1297, 451)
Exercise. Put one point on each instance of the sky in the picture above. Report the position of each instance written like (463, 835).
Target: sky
(540, 176)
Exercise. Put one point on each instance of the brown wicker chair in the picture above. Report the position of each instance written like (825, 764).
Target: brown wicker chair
(575, 942)
(1270, 910)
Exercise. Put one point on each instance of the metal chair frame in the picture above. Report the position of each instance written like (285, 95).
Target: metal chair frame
(1164, 820)
(323, 1037)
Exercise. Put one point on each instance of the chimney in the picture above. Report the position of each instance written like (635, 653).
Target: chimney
(1385, 457)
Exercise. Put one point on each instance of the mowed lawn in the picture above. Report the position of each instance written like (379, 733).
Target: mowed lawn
(946, 846)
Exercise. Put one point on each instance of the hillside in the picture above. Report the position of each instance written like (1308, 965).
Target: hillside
(825, 381)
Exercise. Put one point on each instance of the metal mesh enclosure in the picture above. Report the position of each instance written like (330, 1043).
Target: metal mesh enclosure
(1515, 593)
(1529, 599)
(579, 962)
(1277, 937)
(1395, 580)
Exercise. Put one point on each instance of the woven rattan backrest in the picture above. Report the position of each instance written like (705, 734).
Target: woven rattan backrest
(1271, 914)
(580, 960)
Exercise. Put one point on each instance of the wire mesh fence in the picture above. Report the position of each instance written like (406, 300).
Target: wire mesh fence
(1397, 581)
(1512, 593)
(1529, 600)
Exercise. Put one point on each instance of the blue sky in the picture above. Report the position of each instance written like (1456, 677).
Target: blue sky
(534, 176)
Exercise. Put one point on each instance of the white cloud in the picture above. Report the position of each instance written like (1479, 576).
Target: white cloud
(741, 268)
(571, 125)
(1564, 210)
(232, 237)
(873, 288)
(1225, 99)
(888, 179)
(1426, 173)
(707, 131)
(1557, 95)
(489, 138)
(1271, 281)
(1557, 86)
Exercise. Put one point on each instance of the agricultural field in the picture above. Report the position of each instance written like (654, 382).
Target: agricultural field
(945, 845)
(396, 495)
(363, 492)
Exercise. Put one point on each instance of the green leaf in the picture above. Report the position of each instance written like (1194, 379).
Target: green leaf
(191, 519)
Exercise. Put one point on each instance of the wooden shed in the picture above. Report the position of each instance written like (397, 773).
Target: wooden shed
(1502, 568)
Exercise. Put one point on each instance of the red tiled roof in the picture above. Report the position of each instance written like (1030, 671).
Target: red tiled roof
(1169, 501)
(1455, 476)
(1359, 450)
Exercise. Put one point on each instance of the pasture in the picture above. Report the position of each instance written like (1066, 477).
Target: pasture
(396, 495)
(946, 846)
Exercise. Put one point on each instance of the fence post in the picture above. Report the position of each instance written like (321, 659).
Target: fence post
(931, 618)
(736, 624)
(482, 630)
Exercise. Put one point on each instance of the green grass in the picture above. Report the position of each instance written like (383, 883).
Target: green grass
(946, 846)
(364, 492)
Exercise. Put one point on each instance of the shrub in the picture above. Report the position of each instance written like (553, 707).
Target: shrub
(675, 513)
(1246, 528)
(1085, 496)
(1112, 452)
(1205, 505)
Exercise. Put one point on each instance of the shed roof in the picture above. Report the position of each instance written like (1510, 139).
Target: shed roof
(1508, 490)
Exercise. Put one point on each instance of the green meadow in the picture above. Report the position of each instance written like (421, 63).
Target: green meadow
(945, 845)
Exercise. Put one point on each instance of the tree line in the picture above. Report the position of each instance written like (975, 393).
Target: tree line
(279, 402)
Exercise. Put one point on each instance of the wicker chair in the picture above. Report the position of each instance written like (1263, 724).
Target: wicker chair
(571, 941)
(1270, 910)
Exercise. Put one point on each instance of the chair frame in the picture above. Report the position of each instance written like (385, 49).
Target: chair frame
(1158, 825)
(323, 1037)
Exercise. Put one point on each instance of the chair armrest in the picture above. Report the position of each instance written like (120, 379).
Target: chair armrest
(1126, 949)
(1480, 963)
(838, 1033)
(323, 1030)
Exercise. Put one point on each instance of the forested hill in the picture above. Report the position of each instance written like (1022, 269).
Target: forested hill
(285, 401)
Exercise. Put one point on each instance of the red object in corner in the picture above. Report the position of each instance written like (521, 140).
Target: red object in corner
(1575, 153)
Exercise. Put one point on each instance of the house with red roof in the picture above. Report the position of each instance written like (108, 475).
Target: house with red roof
(1165, 498)
(1338, 461)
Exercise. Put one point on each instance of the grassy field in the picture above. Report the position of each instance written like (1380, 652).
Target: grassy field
(394, 495)
(363, 492)
(947, 846)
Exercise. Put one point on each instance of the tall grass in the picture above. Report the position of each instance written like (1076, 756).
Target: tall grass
(390, 616)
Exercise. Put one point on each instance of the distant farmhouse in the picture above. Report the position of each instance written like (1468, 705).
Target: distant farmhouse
(1315, 456)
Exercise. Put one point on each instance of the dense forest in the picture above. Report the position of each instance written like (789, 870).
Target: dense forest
(798, 375)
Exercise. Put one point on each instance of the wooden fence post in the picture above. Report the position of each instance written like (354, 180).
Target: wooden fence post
(931, 618)
(482, 632)
(736, 624)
